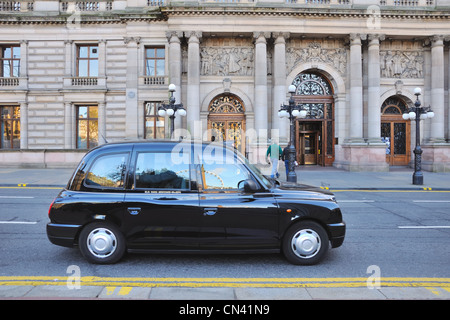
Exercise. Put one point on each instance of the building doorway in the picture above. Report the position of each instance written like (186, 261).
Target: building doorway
(395, 132)
(226, 121)
(315, 134)
(310, 136)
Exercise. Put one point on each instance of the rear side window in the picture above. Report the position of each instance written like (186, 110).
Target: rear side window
(107, 171)
(158, 170)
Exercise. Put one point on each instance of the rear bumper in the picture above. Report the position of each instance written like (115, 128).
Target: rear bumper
(62, 234)
(337, 234)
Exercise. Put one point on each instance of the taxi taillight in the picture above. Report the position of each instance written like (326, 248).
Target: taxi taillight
(50, 208)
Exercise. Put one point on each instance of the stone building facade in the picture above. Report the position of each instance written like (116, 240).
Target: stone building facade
(76, 74)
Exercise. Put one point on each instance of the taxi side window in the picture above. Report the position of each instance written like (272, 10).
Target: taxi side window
(107, 171)
(158, 170)
(222, 175)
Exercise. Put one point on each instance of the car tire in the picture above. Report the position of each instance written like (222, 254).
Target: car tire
(102, 243)
(305, 243)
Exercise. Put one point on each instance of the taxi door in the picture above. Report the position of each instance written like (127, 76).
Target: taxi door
(162, 203)
(233, 219)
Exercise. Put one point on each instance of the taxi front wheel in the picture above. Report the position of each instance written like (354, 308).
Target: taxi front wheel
(102, 243)
(305, 243)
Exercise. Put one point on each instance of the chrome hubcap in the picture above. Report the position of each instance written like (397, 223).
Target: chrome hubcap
(101, 242)
(306, 243)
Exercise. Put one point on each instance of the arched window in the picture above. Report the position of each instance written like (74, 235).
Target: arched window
(393, 105)
(226, 103)
(312, 84)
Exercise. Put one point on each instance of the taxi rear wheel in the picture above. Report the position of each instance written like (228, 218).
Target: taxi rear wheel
(305, 243)
(102, 243)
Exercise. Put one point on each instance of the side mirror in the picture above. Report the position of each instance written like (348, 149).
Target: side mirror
(249, 185)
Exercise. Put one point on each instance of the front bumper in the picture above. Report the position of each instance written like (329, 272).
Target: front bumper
(63, 234)
(337, 234)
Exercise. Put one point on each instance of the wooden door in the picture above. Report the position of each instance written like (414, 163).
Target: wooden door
(396, 134)
(230, 130)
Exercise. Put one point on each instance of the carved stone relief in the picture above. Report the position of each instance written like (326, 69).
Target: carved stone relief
(227, 61)
(314, 52)
(401, 64)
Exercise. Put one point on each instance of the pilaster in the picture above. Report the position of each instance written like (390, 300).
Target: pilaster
(261, 105)
(356, 89)
(175, 67)
(193, 85)
(437, 90)
(373, 90)
(280, 127)
(131, 102)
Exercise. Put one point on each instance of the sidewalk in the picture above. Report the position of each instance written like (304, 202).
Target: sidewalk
(326, 177)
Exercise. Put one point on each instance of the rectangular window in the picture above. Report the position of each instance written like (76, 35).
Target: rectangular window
(162, 170)
(10, 127)
(87, 127)
(155, 61)
(154, 125)
(10, 56)
(107, 171)
(87, 61)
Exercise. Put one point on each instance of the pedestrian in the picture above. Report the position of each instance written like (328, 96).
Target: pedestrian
(285, 157)
(274, 154)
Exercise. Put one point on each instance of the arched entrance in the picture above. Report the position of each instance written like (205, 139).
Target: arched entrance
(226, 120)
(315, 133)
(395, 131)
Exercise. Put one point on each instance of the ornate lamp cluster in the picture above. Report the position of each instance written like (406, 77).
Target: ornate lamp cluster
(172, 109)
(292, 111)
(418, 113)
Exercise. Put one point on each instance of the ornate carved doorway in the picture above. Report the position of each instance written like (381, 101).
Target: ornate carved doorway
(395, 132)
(226, 121)
(315, 133)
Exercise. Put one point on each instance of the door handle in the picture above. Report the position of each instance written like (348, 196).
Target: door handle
(209, 211)
(134, 211)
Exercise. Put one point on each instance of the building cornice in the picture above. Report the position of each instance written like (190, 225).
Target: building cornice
(306, 12)
(165, 13)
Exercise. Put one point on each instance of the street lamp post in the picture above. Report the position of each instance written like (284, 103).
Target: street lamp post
(291, 111)
(418, 113)
(171, 109)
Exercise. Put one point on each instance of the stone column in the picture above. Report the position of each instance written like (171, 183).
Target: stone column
(69, 62)
(175, 67)
(356, 90)
(102, 59)
(437, 90)
(23, 72)
(193, 85)
(448, 90)
(102, 122)
(261, 105)
(280, 127)
(23, 125)
(131, 101)
(373, 90)
(68, 58)
(69, 124)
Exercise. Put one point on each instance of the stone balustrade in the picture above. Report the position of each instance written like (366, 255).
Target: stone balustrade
(92, 6)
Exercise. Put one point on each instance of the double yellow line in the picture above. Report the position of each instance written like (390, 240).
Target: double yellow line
(227, 282)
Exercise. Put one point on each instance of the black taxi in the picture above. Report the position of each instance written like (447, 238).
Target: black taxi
(167, 196)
